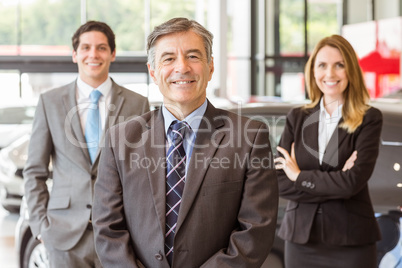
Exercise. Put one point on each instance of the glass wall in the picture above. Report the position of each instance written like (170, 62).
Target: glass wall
(324, 18)
(238, 50)
(37, 27)
(8, 29)
(260, 46)
(291, 27)
(126, 18)
(35, 40)
(291, 31)
(9, 90)
(44, 27)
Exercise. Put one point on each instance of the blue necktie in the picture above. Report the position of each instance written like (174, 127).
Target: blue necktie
(175, 178)
(93, 128)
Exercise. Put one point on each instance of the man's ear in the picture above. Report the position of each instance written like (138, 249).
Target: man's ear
(74, 56)
(152, 73)
(113, 56)
(211, 68)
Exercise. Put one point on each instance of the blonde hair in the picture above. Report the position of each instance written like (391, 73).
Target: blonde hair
(356, 96)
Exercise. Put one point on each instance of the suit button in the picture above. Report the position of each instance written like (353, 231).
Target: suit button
(308, 184)
(89, 206)
(93, 177)
(304, 183)
(312, 186)
(159, 257)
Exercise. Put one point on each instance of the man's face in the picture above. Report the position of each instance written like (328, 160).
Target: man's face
(182, 71)
(93, 57)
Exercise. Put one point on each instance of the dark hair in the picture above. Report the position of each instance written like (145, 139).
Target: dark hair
(94, 26)
(178, 25)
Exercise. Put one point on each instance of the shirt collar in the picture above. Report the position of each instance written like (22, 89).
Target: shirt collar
(193, 119)
(323, 111)
(104, 88)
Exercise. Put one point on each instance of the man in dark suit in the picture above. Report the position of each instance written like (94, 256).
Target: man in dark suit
(64, 120)
(187, 185)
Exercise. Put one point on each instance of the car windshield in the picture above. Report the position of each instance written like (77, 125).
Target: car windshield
(17, 115)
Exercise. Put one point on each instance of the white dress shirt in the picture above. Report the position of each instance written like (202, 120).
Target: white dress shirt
(84, 101)
(326, 127)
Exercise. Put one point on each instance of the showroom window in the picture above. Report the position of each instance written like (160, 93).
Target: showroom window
(260, 46)
(37, 27)
(284, 40)
(35, 39)
(43, 27)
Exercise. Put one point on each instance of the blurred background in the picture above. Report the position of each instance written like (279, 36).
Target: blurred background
(260, 46)
(260, 49)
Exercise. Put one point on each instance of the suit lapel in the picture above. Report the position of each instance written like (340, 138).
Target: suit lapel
(71, 112)
(331, 152)
(155, 150)
(116, 103)
(310, 140)
(310, 132)
(205, 147)
(112, 116)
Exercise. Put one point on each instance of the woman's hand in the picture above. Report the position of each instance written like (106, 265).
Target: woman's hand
(350, 162)
(288, 163)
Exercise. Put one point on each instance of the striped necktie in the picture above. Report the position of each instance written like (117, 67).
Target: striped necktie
(175, 178)
(93, 128)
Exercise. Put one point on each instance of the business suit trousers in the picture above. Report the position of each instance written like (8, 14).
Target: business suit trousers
(317, 254)
(82, 255)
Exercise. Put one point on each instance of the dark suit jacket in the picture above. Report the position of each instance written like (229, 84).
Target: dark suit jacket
(228, 212)
(62, 216)
(347, 212)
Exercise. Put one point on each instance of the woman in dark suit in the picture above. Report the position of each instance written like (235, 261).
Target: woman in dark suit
(328, 152)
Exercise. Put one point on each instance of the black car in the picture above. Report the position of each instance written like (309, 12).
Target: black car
(385, 187)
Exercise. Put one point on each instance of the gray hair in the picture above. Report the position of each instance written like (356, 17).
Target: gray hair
(178, 25)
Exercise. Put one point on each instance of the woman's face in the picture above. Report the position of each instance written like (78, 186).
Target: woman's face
(330, 74)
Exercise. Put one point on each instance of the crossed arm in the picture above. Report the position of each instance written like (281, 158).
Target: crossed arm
(288, 162)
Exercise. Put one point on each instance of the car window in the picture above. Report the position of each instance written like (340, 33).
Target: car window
(17, 115)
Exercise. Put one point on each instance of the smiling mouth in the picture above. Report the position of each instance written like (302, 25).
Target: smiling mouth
(182, 82)
(331, 83)
(93, 64)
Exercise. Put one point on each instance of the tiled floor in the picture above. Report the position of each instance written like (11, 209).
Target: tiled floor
(8, 257)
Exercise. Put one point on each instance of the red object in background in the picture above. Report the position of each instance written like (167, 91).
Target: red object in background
(375, 63)
(378, 45)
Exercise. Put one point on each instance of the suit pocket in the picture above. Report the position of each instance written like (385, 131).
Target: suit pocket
(223, 188)
(59, 203)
